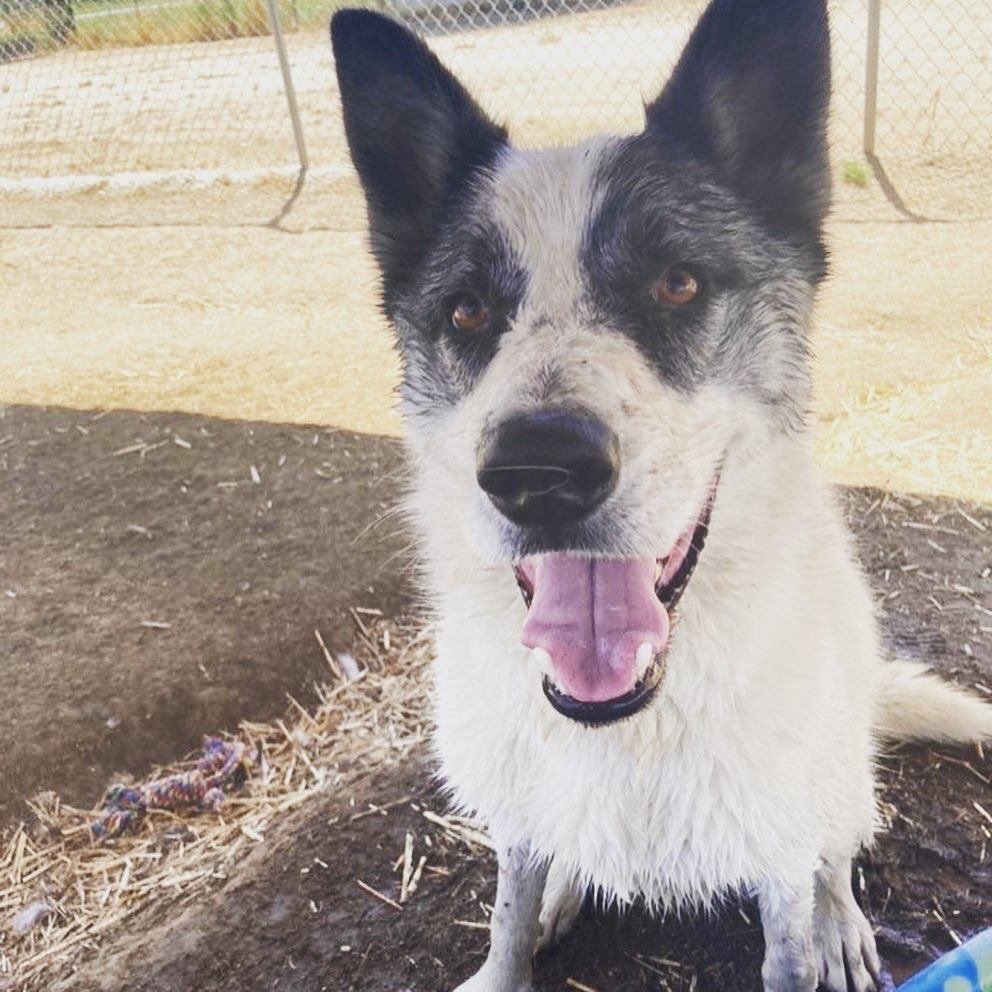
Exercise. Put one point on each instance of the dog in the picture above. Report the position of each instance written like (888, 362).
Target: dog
(658, 670)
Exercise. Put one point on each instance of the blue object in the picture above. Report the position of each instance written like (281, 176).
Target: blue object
(967, 968)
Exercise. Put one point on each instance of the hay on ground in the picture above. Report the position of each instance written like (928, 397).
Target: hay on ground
(62, 892)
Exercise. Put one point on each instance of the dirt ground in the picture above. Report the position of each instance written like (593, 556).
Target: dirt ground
(295, 918)
(162, 575)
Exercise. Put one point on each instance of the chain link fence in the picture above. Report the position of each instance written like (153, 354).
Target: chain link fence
(98, 87)
(139, 85)
(928, 116)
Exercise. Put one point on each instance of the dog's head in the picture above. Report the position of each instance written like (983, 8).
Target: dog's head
(589, 332)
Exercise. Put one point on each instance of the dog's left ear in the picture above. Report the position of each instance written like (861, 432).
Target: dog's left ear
(750, 94)
(415, 134)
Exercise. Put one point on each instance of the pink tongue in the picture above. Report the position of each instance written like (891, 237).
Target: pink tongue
(591, 615)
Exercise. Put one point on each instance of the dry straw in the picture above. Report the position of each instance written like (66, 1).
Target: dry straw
(62, 893)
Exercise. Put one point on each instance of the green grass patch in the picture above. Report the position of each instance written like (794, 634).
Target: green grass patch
(855, 173)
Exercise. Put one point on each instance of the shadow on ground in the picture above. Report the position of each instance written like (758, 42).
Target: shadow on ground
(296, 919)
(162, 575)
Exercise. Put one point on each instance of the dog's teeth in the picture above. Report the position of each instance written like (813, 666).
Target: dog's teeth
(543, 660)
(644, 655)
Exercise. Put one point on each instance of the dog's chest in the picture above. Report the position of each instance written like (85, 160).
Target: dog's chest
(671, 806)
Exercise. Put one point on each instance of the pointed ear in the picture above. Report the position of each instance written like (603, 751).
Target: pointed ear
(415, 134)
(751, 94)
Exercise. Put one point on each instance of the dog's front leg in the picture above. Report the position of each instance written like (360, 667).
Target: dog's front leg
(514, 928)
(787, 920)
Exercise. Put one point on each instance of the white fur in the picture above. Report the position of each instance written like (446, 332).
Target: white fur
(912, 702)
(756, 759)
(753, 770)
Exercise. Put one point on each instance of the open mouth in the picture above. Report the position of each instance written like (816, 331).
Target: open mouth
(599, 628)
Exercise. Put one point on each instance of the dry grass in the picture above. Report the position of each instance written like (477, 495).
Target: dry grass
(925, 433)
(61, 893)
(195, 21)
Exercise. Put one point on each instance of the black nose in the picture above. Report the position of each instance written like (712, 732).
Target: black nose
(549, 467)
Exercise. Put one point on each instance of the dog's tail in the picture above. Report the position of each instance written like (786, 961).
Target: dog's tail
(915, 704)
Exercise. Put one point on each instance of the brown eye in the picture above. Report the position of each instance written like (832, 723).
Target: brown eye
(677, 286)
(469, 314)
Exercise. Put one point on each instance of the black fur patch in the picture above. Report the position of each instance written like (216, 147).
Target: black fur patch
(657, 213)
(664, 207)
(442, 363)
(750, 95)
(415, 134)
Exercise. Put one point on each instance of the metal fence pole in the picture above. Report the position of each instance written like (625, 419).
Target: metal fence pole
(871, 75)
(287, 79)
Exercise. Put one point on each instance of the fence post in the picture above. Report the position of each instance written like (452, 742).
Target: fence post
(871, 75)
(287, 80)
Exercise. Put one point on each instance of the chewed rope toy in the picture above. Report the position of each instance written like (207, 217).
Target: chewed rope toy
(124, 807)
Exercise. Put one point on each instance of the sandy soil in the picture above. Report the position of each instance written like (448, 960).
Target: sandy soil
(295, 918)
(254, 301)
(230, 312)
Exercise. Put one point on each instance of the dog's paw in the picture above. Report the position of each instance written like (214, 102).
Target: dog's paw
(560, 907)
(492, 979)
(845, 946)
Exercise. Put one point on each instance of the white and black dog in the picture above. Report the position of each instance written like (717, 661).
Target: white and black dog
(606, 362)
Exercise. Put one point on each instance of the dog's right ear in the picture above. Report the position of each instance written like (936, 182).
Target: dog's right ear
(415, 134)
